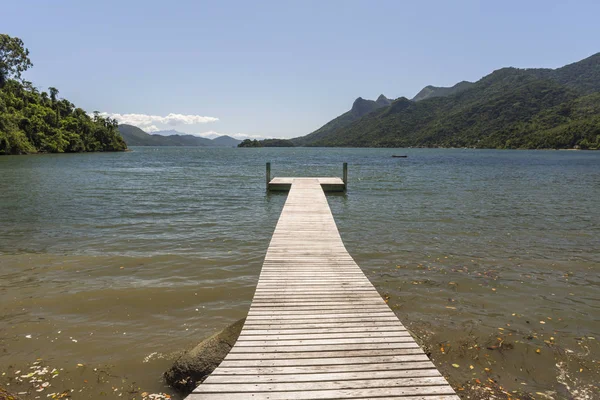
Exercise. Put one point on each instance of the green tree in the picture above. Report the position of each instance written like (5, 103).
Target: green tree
(14, 58)
(53, 93)
(32, 122)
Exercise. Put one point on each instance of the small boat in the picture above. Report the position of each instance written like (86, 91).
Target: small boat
(395, 156)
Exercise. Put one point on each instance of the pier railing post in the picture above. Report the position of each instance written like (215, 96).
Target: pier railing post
(345, 178)
(268, 174)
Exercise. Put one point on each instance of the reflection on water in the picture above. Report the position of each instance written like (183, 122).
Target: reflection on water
(119, 261)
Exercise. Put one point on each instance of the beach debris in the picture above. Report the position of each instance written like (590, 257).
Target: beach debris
(155, 396)
(153, 356)
(63, 395)
(35, 381)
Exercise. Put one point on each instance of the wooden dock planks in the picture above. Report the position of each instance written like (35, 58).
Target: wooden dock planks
(327, 184)
(317, 328)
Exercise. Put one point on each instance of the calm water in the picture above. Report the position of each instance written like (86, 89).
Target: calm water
(119, 261)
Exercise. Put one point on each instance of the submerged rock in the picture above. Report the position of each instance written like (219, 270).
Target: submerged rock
(193, 367)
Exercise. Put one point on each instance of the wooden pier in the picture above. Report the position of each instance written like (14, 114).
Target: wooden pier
(327, 184)
(317, 328)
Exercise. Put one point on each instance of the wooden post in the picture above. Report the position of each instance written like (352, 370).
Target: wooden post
(345, 178)
(268, 174)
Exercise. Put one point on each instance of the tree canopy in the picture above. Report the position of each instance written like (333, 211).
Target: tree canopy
(266, 143)
(32, 121)
(14, 58)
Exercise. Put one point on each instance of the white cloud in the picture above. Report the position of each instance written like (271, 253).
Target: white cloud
(151, 128)
(209, 134)
(148, 122)
(243, 136)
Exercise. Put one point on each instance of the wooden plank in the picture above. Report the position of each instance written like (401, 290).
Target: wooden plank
(234, 354)
(317, 328)
(330, 347)
(338, 305)
(320, 377)
(353, 296)
(338, 330)
(345, 291)
(368, 367)
(282, 301)
(323, 303)
(392, 359)
(436, 393)
(312, 280)
(318, 322)
(336, 341)
(317, 312)
(342, 315)
(277, 300)
(412, 383)
(303, 310)
(321, 336)
(250, 325)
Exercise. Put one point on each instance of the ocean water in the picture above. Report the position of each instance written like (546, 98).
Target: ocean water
(112, 264)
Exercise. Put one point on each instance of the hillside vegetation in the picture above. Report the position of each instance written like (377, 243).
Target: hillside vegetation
(434, 91)
(266, 143)
(360, 108)
(135, 136)
(509, 108)
(39, 122)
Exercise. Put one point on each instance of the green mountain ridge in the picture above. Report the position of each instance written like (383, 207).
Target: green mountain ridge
(434, 91)
(135, 136)
(360, 108)
(582, 76)
(509, 108)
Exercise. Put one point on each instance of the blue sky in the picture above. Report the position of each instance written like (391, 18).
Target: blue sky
(281, 68)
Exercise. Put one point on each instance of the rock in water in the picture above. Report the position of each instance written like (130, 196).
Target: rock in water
(193, 367)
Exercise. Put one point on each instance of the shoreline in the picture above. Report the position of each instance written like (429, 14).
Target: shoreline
(39, 153)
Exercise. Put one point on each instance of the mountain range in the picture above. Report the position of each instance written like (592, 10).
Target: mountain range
(360, 108)
(509, 108)
(135, 136)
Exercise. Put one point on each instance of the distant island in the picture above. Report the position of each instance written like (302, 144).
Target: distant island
(266, 143)
(510, 108)
(135, 136)
(39, 122)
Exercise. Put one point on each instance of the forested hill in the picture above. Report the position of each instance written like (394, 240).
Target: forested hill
(509, 108)
(135, 136)
(360, 108)
(32, 121)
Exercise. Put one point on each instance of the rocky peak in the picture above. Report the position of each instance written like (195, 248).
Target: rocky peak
(383, 101)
